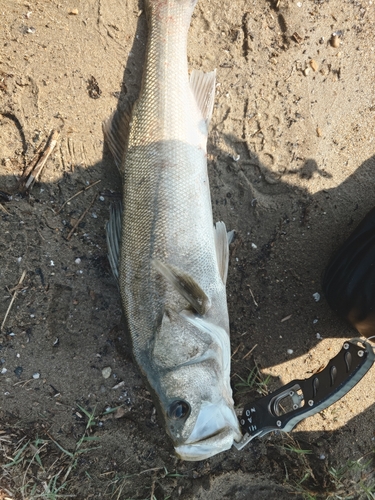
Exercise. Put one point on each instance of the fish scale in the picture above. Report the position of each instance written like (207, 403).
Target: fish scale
(173, 261)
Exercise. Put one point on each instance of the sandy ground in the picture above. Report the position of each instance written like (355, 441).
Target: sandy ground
(291, 163)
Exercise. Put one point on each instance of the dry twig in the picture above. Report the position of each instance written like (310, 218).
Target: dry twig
(16, 290)
(248, 353)
(80, 219)
(36, 165)
(86, 188)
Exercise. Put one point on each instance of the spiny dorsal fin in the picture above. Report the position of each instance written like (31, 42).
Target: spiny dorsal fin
(116, 132)
(222, 241)
(185, 285)
(113, 235)
(203, 87)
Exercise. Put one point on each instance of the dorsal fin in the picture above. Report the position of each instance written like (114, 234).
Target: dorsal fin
(203, 87)
(113, 235)
(185, 286)
(222, 241)
(116, 132)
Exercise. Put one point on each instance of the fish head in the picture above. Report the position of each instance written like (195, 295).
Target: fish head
(192, 389)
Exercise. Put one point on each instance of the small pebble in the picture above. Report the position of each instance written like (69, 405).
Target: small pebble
(78, 260)
(253, 245)
(73, 12)
(306, 71)
(319, 132)
(106, 372)
(335, 41)
(19, 259)
(314, 65)
(101, 198)
(52, 263)
(117, 386)
(315, 321)
(3, 370)
(316, 296)
(18, 371)
(36, 375)
(290, 351)
(120, 412)
(318, 336)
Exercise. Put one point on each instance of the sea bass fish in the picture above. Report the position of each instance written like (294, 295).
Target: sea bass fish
(170, 259)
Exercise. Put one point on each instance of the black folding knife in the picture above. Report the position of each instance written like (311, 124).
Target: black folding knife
(284, 408)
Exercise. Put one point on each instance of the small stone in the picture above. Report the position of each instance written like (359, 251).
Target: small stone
(335, 41)
(120, 412)
(78, 260)
(297, 37)
(52, 263)
(101, 198)
(117, 386)
(318, 336)
(36, 375)
(73, 12)
(306, 71)
(106, 372)
(3, 371)
(319, 132)
(314, 65)
(18, 371)
(253, 245)
(290, 351)
(316, 296)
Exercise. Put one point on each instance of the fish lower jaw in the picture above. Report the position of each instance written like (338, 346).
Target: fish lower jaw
(206, 448)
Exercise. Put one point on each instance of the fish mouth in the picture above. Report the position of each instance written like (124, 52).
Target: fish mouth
(215, 430)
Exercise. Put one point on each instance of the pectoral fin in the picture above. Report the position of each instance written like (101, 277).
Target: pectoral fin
(113, 235)
(203, 87)
(185, 285)
(222, 241)
(116, 132)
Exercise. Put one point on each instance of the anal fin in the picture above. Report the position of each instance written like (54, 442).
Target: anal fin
(203, 87)
(113, 235)
(185, 285)
(222, 241)
(116, 132)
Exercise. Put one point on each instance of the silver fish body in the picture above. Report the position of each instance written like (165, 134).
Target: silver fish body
(172, 261)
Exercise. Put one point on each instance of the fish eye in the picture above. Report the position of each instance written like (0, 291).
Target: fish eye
(178, 409)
